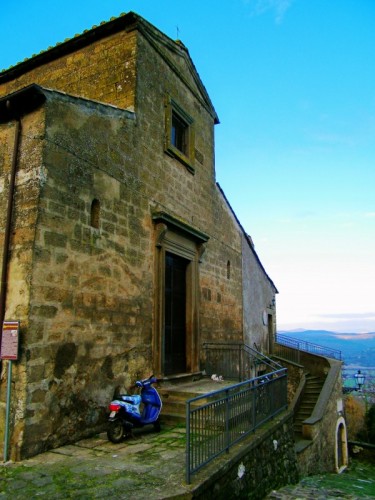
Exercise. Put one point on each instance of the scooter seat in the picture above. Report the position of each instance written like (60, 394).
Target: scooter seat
(133, 400)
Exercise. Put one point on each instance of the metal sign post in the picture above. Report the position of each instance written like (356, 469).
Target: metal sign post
(9, 351)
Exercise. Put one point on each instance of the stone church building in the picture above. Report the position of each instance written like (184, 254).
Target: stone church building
(121, 255)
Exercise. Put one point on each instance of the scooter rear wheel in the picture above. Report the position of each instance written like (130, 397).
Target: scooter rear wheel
(115, 431)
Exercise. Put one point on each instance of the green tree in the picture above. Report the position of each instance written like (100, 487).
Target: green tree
(355, 417)
(370, 424)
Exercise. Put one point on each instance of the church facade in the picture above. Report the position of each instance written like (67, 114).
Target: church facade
(121, 255)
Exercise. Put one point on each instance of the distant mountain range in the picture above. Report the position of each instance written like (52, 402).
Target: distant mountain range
(358, 349)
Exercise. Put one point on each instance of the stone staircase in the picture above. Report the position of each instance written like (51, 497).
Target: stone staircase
(174, 405)
(310, 396)
(175, 395)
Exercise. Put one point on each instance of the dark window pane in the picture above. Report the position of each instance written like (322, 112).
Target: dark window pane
(179, 133)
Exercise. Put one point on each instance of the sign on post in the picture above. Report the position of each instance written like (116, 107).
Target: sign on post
(9, 340)
(9, 351)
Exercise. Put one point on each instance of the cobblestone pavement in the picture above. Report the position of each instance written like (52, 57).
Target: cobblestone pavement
(148, 465)
(357, 482)
(308, 492)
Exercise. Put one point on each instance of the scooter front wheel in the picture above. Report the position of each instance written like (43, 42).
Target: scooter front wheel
(115, 431)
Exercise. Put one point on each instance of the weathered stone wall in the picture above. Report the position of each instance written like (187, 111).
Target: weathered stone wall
(124, 69)
(320, 455)
(85, 295)
(104, 70)
(91, 288)
(90, 322)
(267, 463)
(29, 176)
(221, 279)
(258, 298)
(295, 373)
(192, 197)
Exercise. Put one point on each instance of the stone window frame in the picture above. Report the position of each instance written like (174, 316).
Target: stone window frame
(185, 155)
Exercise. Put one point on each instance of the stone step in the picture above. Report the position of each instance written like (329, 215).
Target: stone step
(311, 394)
(172, 418)
(174, 407)
(175, 394)
(307, 406)
(313, 390)
(314, 383)
(302, 415)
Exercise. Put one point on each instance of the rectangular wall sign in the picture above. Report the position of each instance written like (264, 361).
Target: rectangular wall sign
(9, 341)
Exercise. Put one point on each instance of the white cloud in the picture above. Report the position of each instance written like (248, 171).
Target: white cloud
(279, 7)
(349, 316)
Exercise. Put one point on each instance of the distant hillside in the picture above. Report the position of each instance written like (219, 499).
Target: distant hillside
(357, 348)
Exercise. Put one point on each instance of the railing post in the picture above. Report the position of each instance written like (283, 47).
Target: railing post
(227, 437)
(240, 364)
(254, 403)
(188, 442)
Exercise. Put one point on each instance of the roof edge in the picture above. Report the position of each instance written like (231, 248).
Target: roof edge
(69, 45)
(27, 99)
(21, 102)
(247, 237)
(130, 21)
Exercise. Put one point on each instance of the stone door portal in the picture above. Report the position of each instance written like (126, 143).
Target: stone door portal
(175, 315)
(179, 249)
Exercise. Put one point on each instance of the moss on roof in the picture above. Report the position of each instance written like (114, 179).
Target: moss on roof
(67, 40)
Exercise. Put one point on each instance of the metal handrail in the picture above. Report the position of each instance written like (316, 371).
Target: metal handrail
(234, 360)
(303, 345)
(218, 420)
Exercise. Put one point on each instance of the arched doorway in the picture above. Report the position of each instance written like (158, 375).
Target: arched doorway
(341, 449)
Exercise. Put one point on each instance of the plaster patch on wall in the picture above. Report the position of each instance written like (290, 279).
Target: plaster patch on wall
(42, 175)
(106, 186)
(241, 471)
(340, 406)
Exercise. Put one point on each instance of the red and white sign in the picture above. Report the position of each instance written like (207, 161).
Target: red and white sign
(9, 340)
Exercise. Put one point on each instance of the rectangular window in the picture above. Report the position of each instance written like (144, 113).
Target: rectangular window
(179, 134)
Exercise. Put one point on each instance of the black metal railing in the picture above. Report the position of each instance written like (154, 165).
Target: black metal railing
(284, 346)
(236, 361)
(217, 421)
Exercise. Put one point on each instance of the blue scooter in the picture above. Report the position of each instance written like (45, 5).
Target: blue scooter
(126, 412)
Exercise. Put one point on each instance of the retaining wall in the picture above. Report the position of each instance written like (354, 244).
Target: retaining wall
(265, 462)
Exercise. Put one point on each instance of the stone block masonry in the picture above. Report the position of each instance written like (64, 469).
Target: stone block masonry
(99, 204)
(266, 461)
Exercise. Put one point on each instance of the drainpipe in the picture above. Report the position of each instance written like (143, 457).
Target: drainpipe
(8, 222)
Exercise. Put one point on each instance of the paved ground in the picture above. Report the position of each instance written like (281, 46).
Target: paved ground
(355, 482)
(149, 466)
(303, 491)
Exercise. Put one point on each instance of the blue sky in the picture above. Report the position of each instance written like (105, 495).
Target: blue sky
(293, 83)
